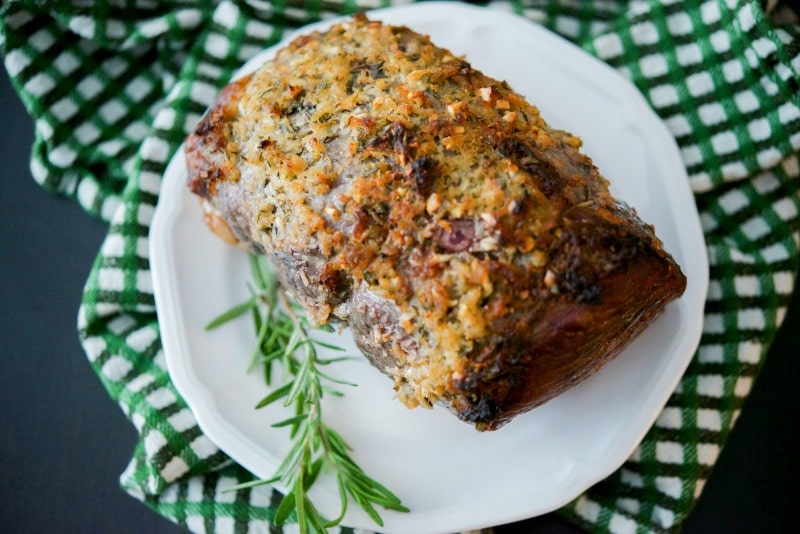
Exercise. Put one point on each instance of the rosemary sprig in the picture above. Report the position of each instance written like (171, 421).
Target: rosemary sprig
(283, 341)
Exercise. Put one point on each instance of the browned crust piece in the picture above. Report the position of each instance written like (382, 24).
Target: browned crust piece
(475, 251)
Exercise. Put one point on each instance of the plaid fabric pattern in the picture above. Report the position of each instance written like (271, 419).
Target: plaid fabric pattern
(114, 87)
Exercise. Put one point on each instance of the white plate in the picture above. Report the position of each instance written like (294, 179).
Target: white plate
(450, 476)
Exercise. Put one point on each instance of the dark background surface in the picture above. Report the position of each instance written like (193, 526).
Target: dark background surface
(64, 442)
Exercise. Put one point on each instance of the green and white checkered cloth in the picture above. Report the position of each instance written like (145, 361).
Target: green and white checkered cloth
(113, 88)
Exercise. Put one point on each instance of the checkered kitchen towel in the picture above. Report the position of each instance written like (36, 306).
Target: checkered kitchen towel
(113, 88)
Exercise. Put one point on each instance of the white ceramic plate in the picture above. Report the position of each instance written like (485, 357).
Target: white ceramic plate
(450, 476)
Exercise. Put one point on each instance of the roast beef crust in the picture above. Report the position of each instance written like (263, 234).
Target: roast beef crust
(476, 253)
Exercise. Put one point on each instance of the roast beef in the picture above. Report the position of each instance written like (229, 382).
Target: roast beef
(476, 253)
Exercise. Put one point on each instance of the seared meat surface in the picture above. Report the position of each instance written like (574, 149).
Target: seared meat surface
(476, 253)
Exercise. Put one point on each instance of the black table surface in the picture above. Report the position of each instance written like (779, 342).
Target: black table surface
(64, 442)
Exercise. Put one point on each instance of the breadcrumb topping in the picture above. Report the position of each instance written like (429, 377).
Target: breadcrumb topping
(418, 177)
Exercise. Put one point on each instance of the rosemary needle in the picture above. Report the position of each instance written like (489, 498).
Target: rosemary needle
(283, 341)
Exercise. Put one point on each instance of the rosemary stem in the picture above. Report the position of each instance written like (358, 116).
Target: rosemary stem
(283, 338)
